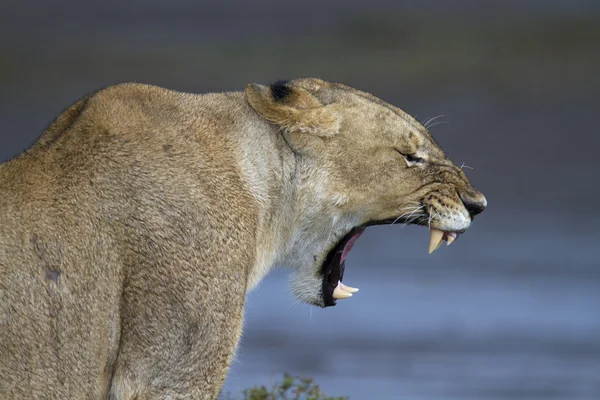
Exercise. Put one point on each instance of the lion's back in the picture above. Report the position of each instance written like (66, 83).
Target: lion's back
(129, 184)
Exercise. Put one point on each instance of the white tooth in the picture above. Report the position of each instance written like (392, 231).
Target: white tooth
(435, 240)
(439, 245)
(347, 288)
(338, 293)
(450, 239)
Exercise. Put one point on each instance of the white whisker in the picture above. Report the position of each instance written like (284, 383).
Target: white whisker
(437, 123)
(420, 220)
(408, 218)
(432, 217)
(416, 218)
(463, 166)
(409, 213)
(425, 124)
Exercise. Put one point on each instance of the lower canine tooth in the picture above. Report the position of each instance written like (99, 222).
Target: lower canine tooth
(450, 239)
(348, 289)
(338, 293)
(435, 240)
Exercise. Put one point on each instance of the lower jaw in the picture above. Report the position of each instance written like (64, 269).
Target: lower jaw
(334, 265)
(329, 287)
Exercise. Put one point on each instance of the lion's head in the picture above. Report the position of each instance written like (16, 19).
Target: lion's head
(359, 161)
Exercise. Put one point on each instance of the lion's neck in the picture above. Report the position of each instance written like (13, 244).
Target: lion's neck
(269, 169)
(297, 221)
(293, 228)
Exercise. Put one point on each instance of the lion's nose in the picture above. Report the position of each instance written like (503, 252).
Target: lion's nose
(474, 201)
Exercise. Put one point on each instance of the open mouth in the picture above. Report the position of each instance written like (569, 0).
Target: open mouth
(335, 262)
(333, 269)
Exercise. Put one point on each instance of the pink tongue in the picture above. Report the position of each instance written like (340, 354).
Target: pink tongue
(350, 243)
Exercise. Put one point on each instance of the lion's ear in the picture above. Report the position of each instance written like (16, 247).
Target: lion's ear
(295, 110)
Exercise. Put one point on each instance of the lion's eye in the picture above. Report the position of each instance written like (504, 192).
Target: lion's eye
(412, 159)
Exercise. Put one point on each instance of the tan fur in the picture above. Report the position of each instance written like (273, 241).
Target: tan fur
(132, 230)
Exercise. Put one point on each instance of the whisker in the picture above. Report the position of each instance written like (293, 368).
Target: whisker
(425, 124)
(416, 218)
(409, 213)
(437, 123)
(431, 218)
(409, 202)
(420, 220)
(407, 206)
(465, 166)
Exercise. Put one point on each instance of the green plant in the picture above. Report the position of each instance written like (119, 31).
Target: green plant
(291, 388)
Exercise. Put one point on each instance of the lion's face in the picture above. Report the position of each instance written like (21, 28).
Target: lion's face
(364, 162)
(385, 167)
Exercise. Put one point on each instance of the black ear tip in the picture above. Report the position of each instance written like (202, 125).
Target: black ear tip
(280, 90)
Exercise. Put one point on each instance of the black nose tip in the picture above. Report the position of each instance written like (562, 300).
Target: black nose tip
(474, 202)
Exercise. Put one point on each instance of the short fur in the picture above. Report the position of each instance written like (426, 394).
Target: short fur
(132, 230)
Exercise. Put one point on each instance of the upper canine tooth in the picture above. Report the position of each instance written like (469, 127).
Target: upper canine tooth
(347, 288)
(435, 240)
(450, 239)
(338, 293)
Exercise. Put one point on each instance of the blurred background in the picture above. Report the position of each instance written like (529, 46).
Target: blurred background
(512, 309)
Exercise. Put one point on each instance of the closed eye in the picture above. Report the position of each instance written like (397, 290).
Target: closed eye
(411, 159)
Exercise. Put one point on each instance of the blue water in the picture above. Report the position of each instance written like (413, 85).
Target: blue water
(491, 317)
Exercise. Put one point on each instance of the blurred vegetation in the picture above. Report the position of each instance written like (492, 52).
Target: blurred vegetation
(290, 388)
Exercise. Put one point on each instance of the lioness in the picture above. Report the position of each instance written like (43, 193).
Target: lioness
(131, 232)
